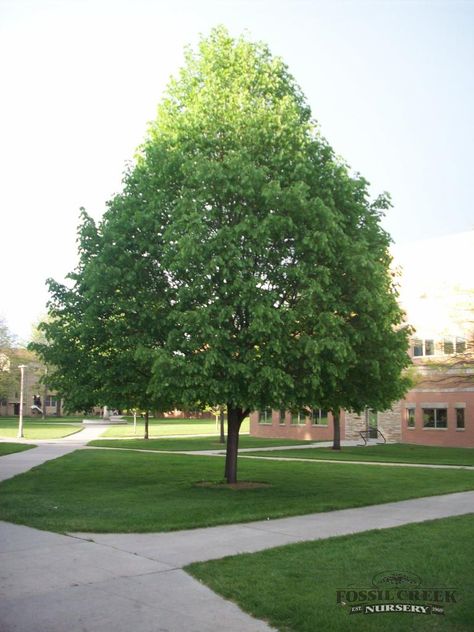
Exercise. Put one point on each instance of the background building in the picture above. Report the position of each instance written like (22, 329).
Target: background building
(437, 293)
(37, 397)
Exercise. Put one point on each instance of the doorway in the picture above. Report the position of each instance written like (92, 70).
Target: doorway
(372, 423)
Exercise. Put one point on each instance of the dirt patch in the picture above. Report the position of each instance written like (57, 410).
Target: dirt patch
(234, 486)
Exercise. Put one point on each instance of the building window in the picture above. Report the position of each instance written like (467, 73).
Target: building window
(448, 346)
(319, 417)
(454, 345)
(460, 418)
(410, 417)
(298, 419)
(460, 345)
(417, 348)
(50, 400)
(282, 418)
(435, 417)
(265, 416)
(429, 347)
(423, 347)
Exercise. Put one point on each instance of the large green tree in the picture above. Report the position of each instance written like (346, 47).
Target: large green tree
(243, 262)
(276, 257)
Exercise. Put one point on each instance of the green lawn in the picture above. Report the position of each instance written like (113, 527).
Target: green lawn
(10, 448)
(394, 452)
(295, 587)
(167, 427)
(121, 491)
(191, 443)
(38, 429)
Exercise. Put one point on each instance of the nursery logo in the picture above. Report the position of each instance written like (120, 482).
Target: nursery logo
(396, 591)
(396, 579)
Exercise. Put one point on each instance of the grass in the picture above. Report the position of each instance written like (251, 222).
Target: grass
(115, 491)
(10, 448)
(306, 577)
(168, 427)
(394, 452)
(191, 443)
(33, 429)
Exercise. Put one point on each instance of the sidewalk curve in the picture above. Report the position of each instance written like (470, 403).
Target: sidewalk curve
(47, 449)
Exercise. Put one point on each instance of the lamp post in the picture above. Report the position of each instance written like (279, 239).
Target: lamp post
(22, 368)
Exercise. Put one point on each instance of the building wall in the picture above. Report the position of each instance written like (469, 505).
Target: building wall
(306, 431)
(31, 388)
(351, 426)
(389, 423)
(449, 399)
(354, 425)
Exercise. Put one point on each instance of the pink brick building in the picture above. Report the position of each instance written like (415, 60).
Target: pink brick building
(437, 293)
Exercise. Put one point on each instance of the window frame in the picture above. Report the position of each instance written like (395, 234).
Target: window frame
(319, 417)
(423, 347)
(297, 419)
(436, 411)
(460, 409)
(265, 419)
(458, 342)
(410, 416)
(429, 343)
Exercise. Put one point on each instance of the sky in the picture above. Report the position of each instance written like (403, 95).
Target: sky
(389, 82)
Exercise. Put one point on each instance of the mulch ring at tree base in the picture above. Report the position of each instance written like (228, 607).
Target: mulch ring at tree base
(234, 486)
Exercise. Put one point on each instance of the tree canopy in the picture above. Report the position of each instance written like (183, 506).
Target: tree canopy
(243, 263)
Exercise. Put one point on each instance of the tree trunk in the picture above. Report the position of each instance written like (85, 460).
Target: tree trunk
(235, 416)
(146, 425)
(43, 407)
(45, 392)
(336, 445)
(221, 418)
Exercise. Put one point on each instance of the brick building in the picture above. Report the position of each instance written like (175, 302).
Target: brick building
(437, 294)
(36, 396)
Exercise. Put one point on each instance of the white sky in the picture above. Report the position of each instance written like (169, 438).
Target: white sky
(390, 82)
(436, 286)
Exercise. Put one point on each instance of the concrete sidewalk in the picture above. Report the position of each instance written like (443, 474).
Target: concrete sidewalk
(180, 548)
(120, 582)
(47, 449)
(56, 583)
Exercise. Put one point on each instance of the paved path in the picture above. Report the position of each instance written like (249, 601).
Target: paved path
(56, 583)
(180, 548)
(243, 455)
(18, 462)
(121, 582)
(59, 583)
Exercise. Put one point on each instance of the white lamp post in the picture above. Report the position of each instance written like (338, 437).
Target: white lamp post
(22, 368)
